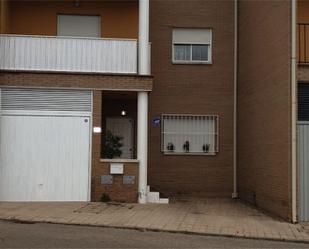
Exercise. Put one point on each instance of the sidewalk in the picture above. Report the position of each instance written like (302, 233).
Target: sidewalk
(221, 217)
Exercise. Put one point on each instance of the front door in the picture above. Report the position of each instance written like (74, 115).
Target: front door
(122, 127)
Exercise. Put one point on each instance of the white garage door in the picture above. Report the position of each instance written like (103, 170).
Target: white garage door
(44, 145)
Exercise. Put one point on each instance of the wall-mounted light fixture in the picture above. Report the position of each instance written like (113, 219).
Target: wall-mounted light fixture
(123, 113)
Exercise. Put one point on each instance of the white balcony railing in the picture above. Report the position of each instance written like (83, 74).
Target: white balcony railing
(68, 54)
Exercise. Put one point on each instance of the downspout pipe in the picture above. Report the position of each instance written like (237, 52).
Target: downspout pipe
(293, 111)
(235, 193)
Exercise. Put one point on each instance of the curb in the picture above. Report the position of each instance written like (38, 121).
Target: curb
(143, 229)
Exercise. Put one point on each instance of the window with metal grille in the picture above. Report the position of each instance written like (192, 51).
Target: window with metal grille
(190, 134)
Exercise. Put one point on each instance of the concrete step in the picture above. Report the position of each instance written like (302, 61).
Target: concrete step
(154, 197)
(164, 201)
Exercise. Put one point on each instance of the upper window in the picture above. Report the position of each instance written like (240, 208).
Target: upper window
(192, 45)
(79, 25)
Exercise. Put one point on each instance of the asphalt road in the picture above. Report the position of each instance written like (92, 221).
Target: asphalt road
(39, 235)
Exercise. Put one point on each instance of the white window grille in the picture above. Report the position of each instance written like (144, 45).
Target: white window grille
(192, 45)
(190, 134)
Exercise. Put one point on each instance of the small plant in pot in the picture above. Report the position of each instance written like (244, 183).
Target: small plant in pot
(186, 146)
(170, 147)
(113, 145)
(206, 148)
(105, 198)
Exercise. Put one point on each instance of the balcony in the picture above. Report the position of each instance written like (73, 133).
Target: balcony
(68, 54)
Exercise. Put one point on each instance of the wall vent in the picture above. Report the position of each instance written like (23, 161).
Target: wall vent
(33, 99)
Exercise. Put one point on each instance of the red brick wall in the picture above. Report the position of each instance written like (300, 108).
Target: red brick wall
(192, 89)
(81, 80)
(117, 191)
(264, 104)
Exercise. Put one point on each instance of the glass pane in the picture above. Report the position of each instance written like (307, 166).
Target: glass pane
(200, 52)
(182, 52)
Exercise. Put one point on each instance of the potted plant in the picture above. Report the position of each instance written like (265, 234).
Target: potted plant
(206, 148)
(105, 198)
(113, 145)
(186, 146)
(170, 147)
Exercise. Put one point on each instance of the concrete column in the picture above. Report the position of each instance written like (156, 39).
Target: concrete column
(142, 144)
(142, 99)
(143, 38)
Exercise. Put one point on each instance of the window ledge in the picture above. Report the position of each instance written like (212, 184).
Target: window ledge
(119, 160)
(191, 62)
(189, 154)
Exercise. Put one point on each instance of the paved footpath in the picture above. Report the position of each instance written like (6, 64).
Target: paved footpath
(221, 217)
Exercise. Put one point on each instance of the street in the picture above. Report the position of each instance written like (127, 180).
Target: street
(41, 235)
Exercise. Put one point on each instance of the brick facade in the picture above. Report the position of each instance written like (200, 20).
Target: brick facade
(77, 80)
(192, 89)
(117, 191)
(264, 104)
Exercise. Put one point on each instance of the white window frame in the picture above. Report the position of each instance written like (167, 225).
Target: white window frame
(199, 153)
(209, 61)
